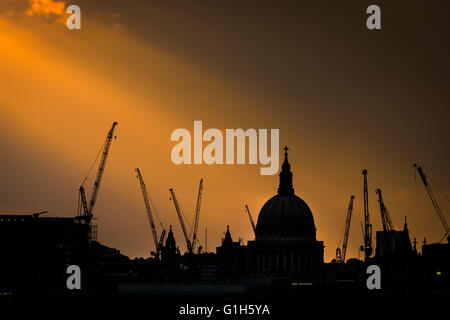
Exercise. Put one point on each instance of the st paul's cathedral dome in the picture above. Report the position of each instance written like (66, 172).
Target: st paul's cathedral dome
(285, 238)
(285, 216)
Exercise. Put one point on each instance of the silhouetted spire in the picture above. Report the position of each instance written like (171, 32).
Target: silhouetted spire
(170, 241)
(227, 239)
(286, 188)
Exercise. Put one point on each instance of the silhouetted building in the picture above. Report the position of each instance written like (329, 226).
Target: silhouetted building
(35, 252)
(170, 257)
(285, 243)
(285, 255)
(393, 243)
(231, 257)
(437, 258)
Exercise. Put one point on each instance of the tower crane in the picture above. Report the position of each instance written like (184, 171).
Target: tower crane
(251, 219)
(82, 199)
(361, 248)
(340, 253)
(37, 214)
(367, 226)
(87, 210)
(197, 215)
(385, 216)
(180, 216)
(161, 240)
(158, 243)
(433, 200)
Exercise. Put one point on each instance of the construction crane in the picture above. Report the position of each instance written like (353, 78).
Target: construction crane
(158, 243)
(180, 216)
(385, 216)
(87, 210)
(433, 200)
(161, 241)
(251, 219)
(361, 248)
(37, 214)
(367, 226)
(340, 253)
(197, 215)
(84, 210)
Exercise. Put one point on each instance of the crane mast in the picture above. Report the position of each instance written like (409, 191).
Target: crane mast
(148, 208)
(385, 216)
(251, 219)
(367, 226)
(197, 215)
(340, 253)
(83, 203)
(180, 216)
(433, 200)
(161, 240)
(88, 209)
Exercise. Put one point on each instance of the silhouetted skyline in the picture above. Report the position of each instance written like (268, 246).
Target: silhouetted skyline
(343, 98)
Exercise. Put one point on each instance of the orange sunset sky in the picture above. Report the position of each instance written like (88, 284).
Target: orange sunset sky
(344, 98)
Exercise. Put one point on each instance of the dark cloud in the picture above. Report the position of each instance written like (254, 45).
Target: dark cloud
(298, 49)
(11, 8)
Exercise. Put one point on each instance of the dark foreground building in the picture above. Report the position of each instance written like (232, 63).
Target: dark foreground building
(35, 252)
(284, 261)
(393, 243)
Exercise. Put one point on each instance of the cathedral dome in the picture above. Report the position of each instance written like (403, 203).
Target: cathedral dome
(285, 216)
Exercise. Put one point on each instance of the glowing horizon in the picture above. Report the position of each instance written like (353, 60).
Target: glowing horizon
(61, 90)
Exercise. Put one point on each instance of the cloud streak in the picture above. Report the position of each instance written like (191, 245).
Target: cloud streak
(46, 7)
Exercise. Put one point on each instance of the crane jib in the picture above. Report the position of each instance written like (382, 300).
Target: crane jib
(149, 211)
(101, 168)
(434, 201)
(88, 209)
